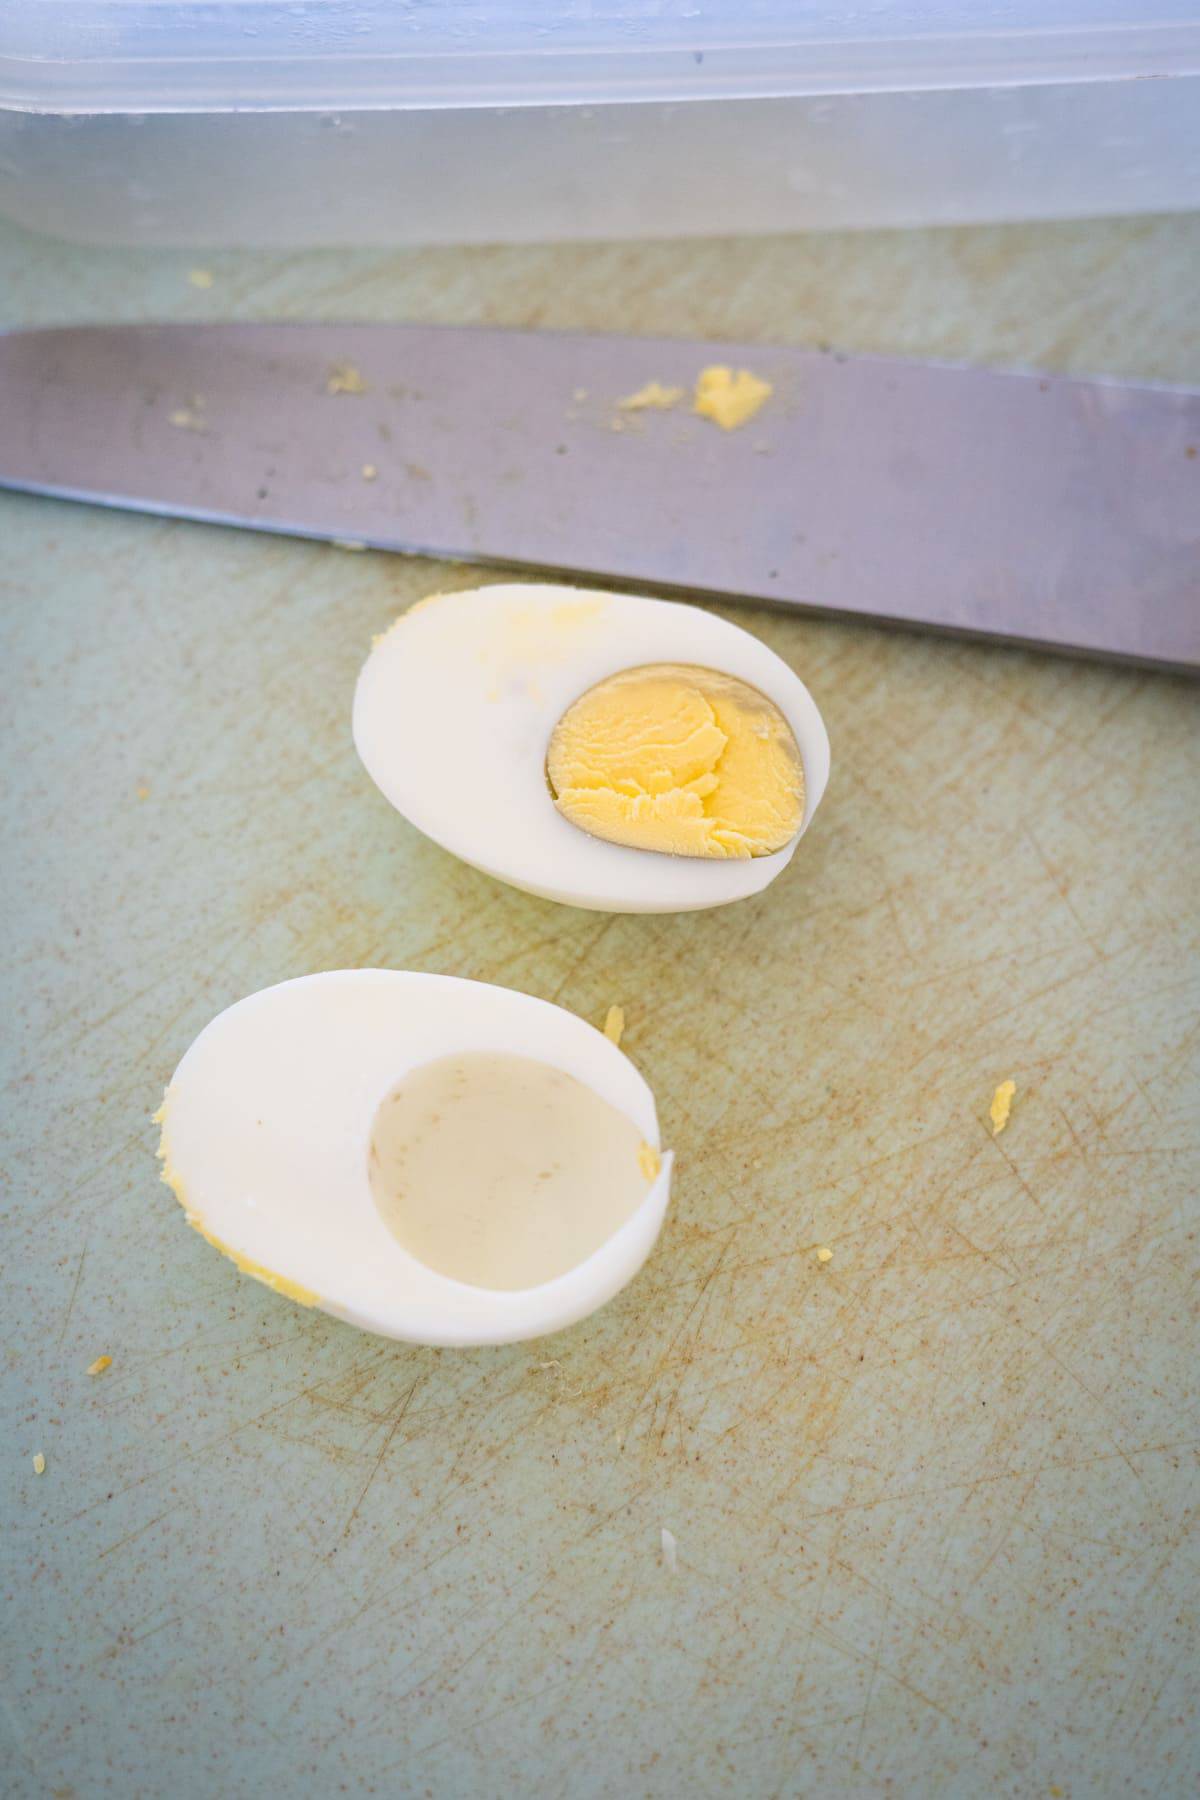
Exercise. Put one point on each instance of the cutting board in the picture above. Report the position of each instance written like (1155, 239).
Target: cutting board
(929, 1497)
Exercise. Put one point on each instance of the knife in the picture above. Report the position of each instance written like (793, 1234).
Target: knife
(1031, 508)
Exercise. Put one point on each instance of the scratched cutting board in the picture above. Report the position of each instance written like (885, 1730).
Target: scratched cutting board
(931, 1498)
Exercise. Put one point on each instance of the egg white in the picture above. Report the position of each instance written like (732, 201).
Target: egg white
(453, 714)
(266, 1126)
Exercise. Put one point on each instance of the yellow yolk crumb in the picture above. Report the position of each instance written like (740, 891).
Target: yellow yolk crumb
(678, 759)
(824, 1254)
(649, 1161)
(654, 395)
(39, 1464)
(200, 278)
(614, 1024)
(101, 1363)
(1001, 1106)
(344, 378)
(729, 397)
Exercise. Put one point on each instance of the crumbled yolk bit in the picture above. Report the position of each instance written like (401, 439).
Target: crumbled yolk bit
(654, 396)
(678, 759)
(729, 397)
(101, 1363)
(824, 1254)
(649, 1161)
(1001, 1106)
(39, 1464)
(200, 278)
(614, 1024)
(344, 378)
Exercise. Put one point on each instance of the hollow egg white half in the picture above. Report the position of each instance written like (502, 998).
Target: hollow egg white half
(267, 1121)
(453, 716)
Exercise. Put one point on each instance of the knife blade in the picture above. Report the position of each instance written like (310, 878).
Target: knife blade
(1027, 507)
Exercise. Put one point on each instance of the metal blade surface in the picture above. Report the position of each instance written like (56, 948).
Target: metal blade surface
(1033, 508)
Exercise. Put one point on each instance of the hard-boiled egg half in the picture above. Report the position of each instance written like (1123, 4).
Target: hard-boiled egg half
(428, 1158)
(606, 750)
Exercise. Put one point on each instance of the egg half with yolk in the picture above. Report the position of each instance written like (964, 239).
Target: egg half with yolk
(605, 750)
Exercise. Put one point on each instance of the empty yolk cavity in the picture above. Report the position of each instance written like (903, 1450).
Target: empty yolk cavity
(502, 1171)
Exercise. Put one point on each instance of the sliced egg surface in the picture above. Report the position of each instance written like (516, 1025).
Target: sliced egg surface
(270, 1133)
(456, 706)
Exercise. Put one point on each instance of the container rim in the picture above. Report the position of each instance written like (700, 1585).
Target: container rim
(64, 57)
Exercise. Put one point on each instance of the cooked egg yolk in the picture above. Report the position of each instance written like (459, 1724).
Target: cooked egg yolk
(729, 397)
(679, 759)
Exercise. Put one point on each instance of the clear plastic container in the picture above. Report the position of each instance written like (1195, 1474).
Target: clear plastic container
(298, 122)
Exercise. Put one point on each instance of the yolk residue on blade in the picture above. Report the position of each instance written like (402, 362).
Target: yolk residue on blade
(729, 397)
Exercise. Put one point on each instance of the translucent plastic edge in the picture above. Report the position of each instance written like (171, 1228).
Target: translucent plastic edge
(46, 68)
